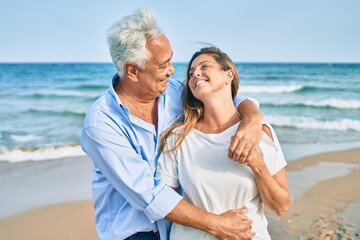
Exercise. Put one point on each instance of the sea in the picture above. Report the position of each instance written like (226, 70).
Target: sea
(43, 105)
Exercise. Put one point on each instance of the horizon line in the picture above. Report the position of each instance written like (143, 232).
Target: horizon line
(175, 62)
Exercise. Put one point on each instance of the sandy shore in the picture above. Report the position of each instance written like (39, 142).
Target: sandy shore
(327, 207)
(322, 211)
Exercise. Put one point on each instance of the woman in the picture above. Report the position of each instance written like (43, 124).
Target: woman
(194, 151)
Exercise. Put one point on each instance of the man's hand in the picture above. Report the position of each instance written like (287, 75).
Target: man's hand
(246, 138)
(233, 224)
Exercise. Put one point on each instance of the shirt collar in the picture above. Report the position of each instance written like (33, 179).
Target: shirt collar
(114, 81)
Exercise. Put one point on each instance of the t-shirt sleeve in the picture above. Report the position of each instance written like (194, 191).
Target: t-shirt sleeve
(272, 152)
(167, 168)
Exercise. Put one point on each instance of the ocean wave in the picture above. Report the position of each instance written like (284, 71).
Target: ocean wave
(335, 103)
(40, 153)
(311, 123)
(75, 112)
(270, 89)
(91, 87)
(67, 94)
(24, 138)
(330, 103)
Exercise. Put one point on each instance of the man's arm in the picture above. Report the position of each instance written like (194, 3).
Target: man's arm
(128, 172)
(232, 224)
(114, 156)
(249, 132)
(229, 225)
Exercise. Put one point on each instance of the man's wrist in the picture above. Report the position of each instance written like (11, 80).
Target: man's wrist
(255, 119)
(211, 224)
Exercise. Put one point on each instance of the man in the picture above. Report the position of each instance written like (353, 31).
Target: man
(121, 133)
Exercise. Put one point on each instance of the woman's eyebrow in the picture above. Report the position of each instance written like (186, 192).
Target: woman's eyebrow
(192, 68)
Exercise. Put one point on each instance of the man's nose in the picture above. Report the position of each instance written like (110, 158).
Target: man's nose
(171, 69)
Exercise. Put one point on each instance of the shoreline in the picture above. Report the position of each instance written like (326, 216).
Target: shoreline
(324, 210)
(319, 212)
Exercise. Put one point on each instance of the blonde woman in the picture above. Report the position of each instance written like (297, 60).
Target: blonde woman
(194, 151)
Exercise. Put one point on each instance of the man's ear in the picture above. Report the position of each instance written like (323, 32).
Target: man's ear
(131, 71)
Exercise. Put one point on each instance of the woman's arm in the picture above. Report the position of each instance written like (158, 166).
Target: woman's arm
(274, 190)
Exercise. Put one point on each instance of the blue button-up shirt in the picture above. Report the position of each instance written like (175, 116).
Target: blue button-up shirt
(127, 196)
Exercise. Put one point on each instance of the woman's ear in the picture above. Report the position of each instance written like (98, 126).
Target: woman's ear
(131, 71)
(230, 76)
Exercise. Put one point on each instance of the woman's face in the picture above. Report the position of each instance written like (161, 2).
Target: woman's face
(206, 77)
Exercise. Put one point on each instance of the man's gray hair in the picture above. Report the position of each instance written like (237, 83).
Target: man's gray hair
(127, 39)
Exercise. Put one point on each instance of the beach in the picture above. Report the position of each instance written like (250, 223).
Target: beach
(45, 178)
(325, 201)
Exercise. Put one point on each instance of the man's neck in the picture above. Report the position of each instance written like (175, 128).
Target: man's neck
(145, 109)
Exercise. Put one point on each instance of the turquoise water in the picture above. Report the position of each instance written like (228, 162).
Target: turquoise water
(43, 105)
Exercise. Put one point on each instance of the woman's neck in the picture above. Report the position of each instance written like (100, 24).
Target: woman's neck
(218, 116)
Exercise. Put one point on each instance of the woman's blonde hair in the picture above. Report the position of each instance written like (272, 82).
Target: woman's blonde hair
(193, 109)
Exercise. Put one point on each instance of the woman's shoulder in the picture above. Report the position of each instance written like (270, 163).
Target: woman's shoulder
(269, 135)
(170, 137)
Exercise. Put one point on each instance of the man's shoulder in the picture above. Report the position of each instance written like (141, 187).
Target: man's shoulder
(100, 103)
(102, 107)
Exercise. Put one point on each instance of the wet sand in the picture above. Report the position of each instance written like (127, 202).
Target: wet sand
(319, 212)
(326, 206)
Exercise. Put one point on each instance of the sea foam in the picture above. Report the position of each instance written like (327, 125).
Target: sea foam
(311, 123)
(270, 89)
(24, 138)
(40, 154)
(335, 103)
(329, 102)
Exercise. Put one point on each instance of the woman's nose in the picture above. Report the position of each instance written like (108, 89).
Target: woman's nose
(196, 73)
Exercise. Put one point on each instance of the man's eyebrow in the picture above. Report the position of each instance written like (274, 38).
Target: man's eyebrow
(167, 60)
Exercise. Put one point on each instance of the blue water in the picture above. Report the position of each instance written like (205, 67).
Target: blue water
(42, 106)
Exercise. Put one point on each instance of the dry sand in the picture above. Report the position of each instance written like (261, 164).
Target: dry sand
(317, 214)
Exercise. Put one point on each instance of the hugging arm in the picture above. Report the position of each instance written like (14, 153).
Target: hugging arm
(248, 134)
(232, 224)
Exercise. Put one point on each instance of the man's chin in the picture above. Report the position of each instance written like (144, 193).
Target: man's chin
(163, 86)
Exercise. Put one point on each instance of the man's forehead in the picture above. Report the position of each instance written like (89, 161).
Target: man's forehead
(160, 50)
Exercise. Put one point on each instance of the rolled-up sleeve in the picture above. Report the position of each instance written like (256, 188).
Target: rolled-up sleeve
(167, 199)
(127, 171)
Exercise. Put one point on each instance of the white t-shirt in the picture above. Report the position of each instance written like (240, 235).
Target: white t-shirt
(213, 182)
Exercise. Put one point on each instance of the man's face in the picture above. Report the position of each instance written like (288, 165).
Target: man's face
(154, 78)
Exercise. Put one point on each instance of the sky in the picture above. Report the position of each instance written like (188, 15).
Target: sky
(248, 31)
